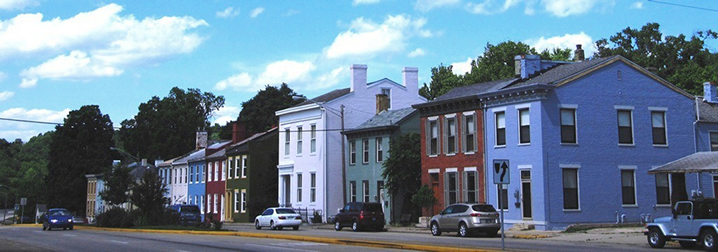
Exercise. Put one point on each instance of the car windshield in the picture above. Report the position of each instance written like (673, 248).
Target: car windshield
(483, 208)
(285, 211)
(190, 209)
(60, 213)
(372, 207)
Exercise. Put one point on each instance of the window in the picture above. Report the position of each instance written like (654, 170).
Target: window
(714, 141)
(232, 166)
(299, 140)
(352, 152)
(224, 170)
(470, 186)
(353, 191)
(214, 207)
(299, 187)
(524, 126)
(663, 192)
(365, 190)
(658, 123)
(380, 190)
(628, 187)
(625, 127)
(201, 205)
(500, 128)
(313, 141)
(286, 142)
(204, 171)
(450, 135)
(433, 138)
(244, 201)
(191, 174)
(379, 150)
(450, 188)
(365, 152)
(469, 135)
(245, 164)
(570, 189)
(387, 92)
(568, 126)
(216, 171)
(503, 191)
(236, 201)
(313, 189)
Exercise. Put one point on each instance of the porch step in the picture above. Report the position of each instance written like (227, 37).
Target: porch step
(522, 226)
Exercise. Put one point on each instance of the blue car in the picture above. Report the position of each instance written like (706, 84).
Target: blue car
(57, 218)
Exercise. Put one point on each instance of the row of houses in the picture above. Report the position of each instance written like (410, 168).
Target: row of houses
(580, 138)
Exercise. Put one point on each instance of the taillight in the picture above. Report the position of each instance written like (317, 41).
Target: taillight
(361, 215)
(475, 215)
(282, 217)
(298, 218)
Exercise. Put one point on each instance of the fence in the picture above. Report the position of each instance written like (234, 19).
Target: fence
(310, 216)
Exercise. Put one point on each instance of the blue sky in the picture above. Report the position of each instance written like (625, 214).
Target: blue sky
(56, 56)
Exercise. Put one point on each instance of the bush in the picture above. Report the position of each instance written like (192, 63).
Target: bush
(217, 224)
(116, 217)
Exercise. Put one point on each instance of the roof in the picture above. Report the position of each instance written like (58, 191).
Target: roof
(562, 72)
(218, 145)
(326, 97)
(249, 139)
(707, 112)
(387, 118)
(706, 161)
(217, 155)
(470, 91)
(194, 155)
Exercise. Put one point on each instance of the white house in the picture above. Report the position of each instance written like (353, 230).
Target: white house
(310, 141)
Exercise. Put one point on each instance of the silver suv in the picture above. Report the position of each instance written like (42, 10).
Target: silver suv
(466, 219)
(693, 222)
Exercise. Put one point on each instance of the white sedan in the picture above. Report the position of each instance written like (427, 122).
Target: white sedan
(278, 218)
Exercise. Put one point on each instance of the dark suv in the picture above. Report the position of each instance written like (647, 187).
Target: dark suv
(188, 214)
(360, 215)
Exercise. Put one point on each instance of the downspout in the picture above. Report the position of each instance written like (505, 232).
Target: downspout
(486, 156)
(695, 139)
(326, 163)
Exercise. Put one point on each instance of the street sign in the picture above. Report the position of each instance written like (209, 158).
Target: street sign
(501, 171)
(23, 201)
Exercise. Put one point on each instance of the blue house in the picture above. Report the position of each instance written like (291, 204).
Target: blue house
(196, 185)
(580, 139)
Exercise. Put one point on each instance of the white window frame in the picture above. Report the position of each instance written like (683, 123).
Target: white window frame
(313, 141)
(521, 124)
(287, 140)
(574, 108)
(665, 124)
(299, 140)
(629, 109)
(379, 149)
(578, 185)
(244, 201)
(352, 191)
(352, 152)
(446, 186)
(224, 170)
(448, 133)
(236, 200)
(365, 151)
(431, 134)
(499, 124)
(465, 130)
(231, 167)
(670, 189)
(299, 187)
(465, 188)
(245, 166)
(366, 194)
(313, 187)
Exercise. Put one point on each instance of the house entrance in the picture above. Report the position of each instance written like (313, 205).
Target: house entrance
(526, 194)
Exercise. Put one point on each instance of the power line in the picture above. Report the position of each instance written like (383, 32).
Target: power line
(28, 121)
(683, 5)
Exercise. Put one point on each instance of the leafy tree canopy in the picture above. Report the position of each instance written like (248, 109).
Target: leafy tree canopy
(166, 128)
(148, 196)
(80, 146)
(258, 113)
(118, 182)
(402, 170)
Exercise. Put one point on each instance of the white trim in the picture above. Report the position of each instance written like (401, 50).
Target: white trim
(469, 113)
(498, 109)
(523, 106)
(450, 115)
(578, 189)
(635, 187)
(567, 166)
(470, 168)
(434, 170)
(451, 170)
(633, 130)
(627, 167)
(664, 109)
(524, 167)
(623, 107)
(568, 106)
(432, 118)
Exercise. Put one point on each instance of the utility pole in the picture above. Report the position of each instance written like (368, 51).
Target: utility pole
(344, 166)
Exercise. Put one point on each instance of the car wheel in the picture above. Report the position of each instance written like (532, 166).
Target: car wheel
(295, 227)
(708, 239)
(435, 229)
(656, 238)
(44, 227)
(337, 226)
(257, 226)
(280, 228)
(355, 226)
(271, 225)
(463, 230)
(687, 244)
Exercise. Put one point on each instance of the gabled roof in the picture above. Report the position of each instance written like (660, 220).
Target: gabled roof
(562, 72)
(233, 147)
(217, 155)
(706, 161)
(707, 112)
(385, 119)
(326, 97)
(196, 154)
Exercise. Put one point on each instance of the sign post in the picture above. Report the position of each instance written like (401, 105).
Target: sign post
(501, 178)
(23, 202)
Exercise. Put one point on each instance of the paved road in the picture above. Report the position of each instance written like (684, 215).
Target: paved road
(28, 238)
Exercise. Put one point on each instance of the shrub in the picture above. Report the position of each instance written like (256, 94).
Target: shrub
(217, 224)
(115, 217)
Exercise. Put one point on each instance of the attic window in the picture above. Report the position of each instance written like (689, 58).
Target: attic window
(619, 75)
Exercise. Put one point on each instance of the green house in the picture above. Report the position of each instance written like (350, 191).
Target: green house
(367, 148)
(252, 175)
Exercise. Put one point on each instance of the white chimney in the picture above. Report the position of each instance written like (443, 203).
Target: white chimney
(411, 80)
(358, 81)
(709, 92)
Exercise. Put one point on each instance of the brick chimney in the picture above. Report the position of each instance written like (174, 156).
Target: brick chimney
(358, 81)
(578, 55)
(382, 103)
(201, 141)
(709, 92)
(239, 131)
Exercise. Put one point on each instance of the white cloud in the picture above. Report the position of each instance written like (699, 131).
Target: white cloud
(225, 114)
(564, 8)
(327, 80)
(25, 131)
(76, 65)
(461, 68)
(16, 4)
(275, 73)
(291, 12)
(228, 13)
(256, 12)
(6, 95)
(27, 83)
(358, 2)
(416, 53)
(567, 41)
(637, 5)
(427, 5)
(490, 6)
(109, 41)
(368, 39)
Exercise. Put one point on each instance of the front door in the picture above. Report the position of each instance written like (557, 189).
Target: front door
(526, 194)
(286, 192)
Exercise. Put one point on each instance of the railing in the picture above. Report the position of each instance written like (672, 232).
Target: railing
(310, 216)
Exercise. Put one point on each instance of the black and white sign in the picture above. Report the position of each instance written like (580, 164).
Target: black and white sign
(501, 171)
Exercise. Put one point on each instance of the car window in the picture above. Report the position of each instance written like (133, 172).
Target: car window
(267, 212)
(483, 208)
(347, 207)
(285, 211)
(448, 210)
(60, 213)
(372, 207)
(460, 208)
(353, 206)
(683, 208)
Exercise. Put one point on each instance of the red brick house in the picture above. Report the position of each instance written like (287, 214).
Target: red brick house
(452, 145)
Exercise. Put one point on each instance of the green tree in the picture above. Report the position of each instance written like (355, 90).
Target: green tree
(148, 196)
(81, 145)
(683, 61)
(166, 128)
(443, 79)
(402, 169)
(556, 54)
(497, 62)
(424, 198)
(118, 182)
(33, 170)
(258, 113)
